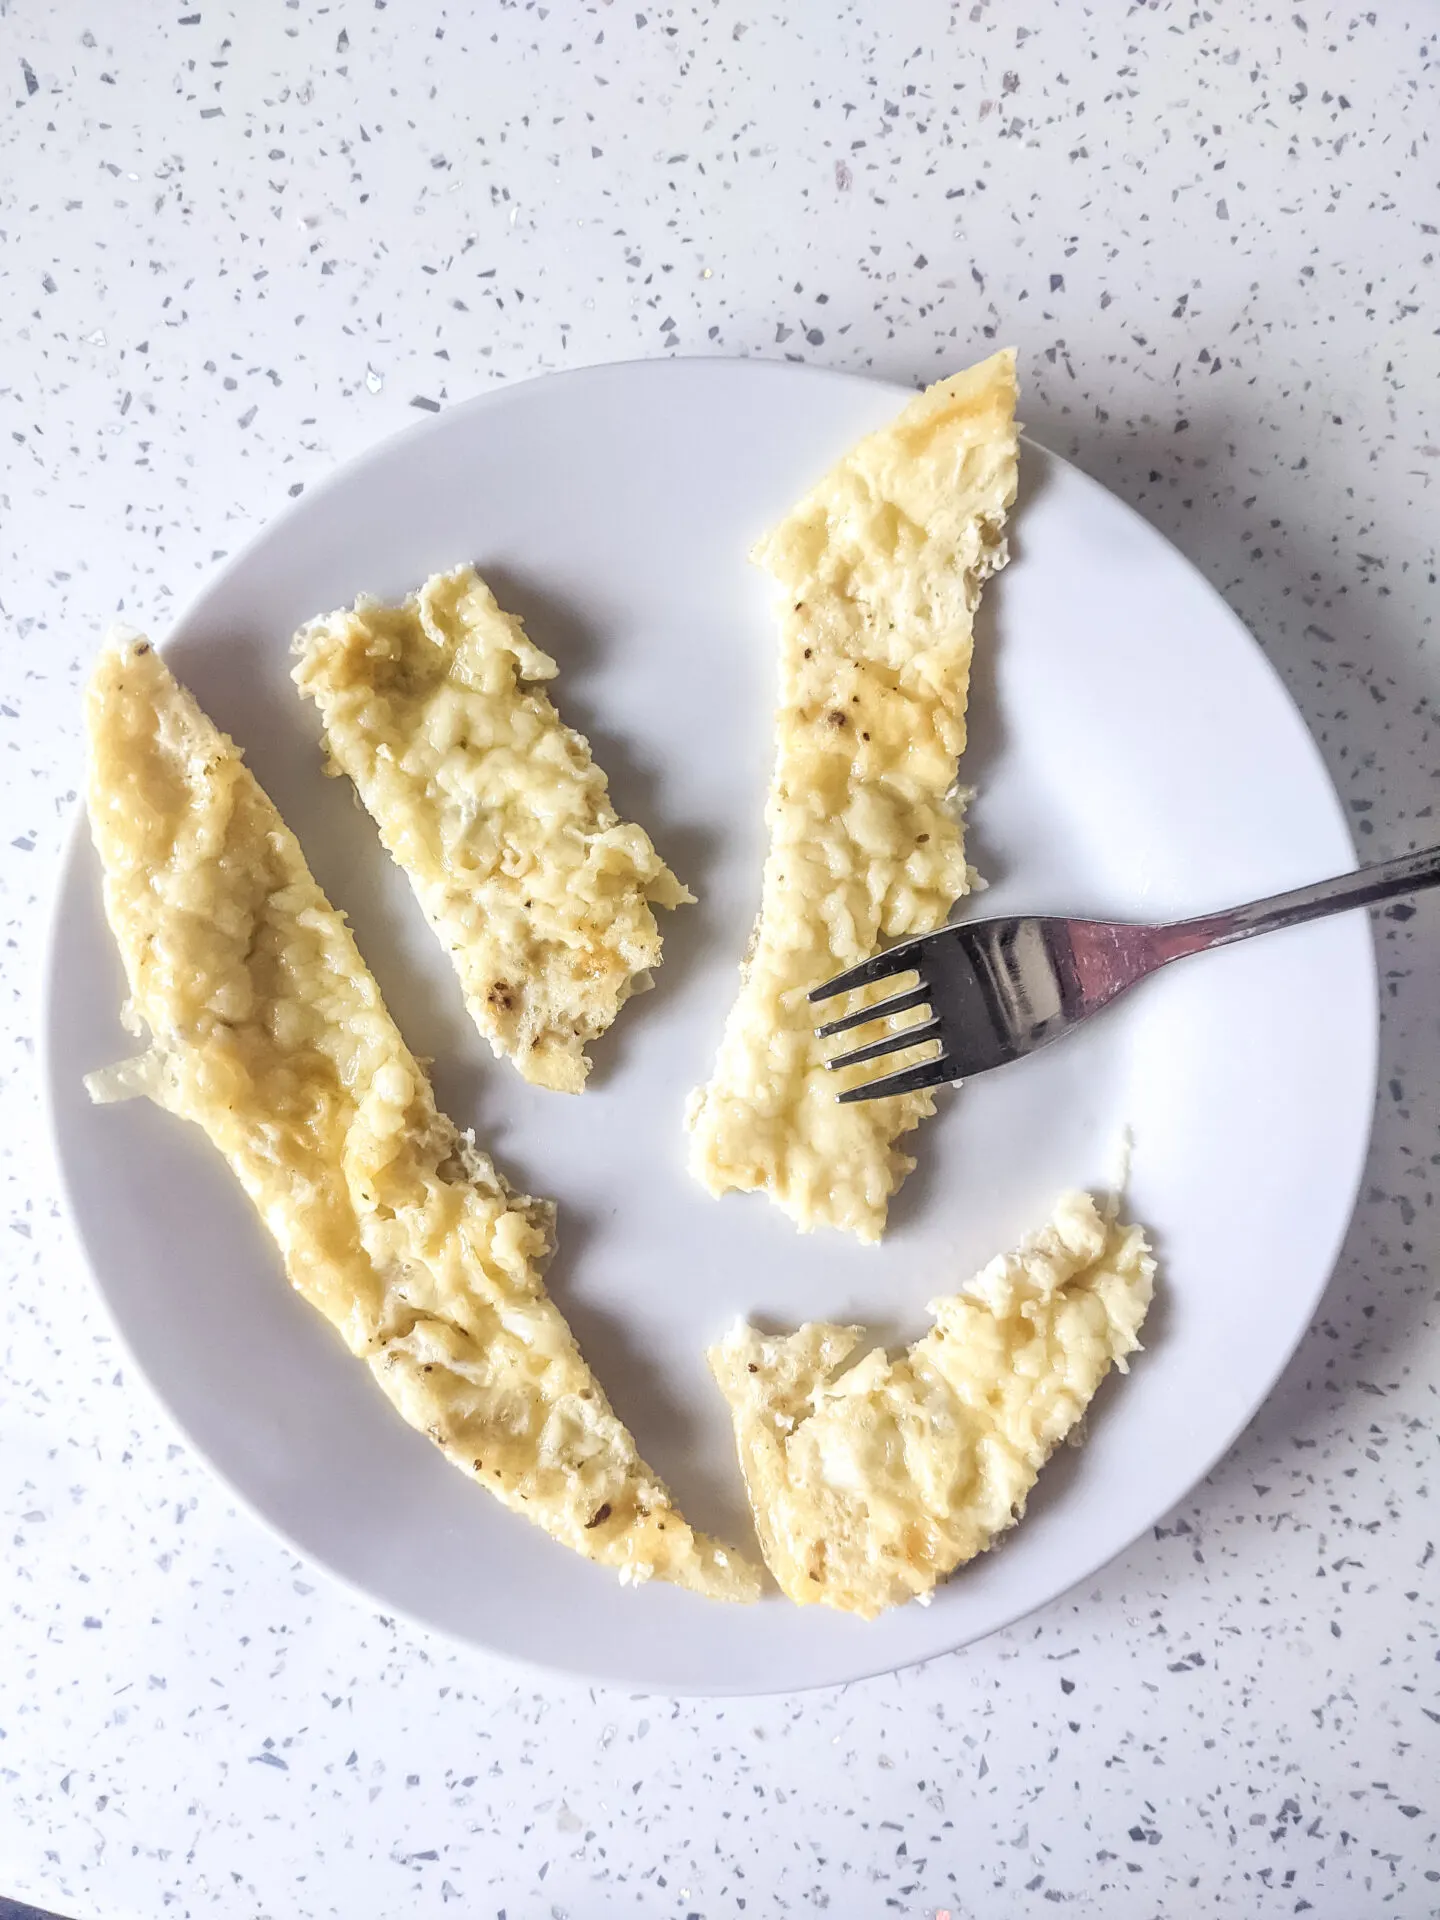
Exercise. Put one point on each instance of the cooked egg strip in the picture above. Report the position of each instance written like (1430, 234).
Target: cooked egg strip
(878, 575)
(871, 1484)
(495, 811)
(268, 1030)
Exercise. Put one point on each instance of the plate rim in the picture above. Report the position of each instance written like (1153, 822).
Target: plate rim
(76, 847)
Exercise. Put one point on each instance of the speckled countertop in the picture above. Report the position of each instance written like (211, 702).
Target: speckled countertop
(239, 244)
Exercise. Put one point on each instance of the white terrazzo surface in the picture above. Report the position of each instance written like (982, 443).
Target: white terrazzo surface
(238, 244)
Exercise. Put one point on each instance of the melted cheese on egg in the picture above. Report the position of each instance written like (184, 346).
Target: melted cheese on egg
(870, 1485)
(496, 813)
(878, 574)
(268, 1030)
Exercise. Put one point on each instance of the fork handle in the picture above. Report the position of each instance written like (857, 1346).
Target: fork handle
(1408, 873)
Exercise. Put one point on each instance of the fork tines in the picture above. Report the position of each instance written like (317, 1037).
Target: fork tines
(926, 1073)
(901, 1003)
(880, 966)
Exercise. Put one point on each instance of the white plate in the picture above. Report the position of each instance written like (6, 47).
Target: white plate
(1134, 754)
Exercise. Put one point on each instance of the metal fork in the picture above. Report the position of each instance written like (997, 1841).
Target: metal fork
(996, 990)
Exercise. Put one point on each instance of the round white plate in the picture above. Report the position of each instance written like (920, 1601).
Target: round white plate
(1133, 754)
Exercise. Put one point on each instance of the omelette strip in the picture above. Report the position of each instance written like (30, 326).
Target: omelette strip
(878, 572)
(268, 1030)
(496, 813)
(869, 1487)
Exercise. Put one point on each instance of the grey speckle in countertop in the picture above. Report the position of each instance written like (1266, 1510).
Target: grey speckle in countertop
(240, 244)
